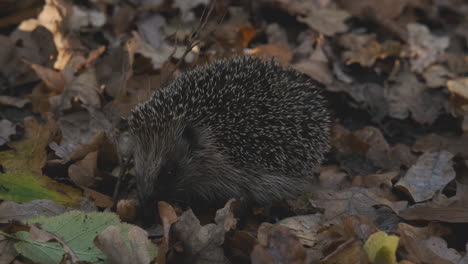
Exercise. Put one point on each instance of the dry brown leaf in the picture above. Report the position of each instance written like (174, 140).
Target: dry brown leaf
(316, 66)
(331, 176)
(80, 128)
(19, 212)
(127, 210)
(352, 201)
(328, 21)
(379, 180)
(434, 142)
(203, 243)
(50, 77)
(459, 95)
(281, 246)
(13, 101)
(7, 129)
(425, 48)
(185, 7)
(168, 217)
(352, 251)
(450, 214)
(247, 33)
(409, 95)
(281, 52)
(431, 173)
(98, 198)
(383, 9)
(7, 250)
(85, 172)
(436, 76)
(139, 244)
(56, 16)
(423, 245)
(365, 49)
(305, 227)
(111, 243)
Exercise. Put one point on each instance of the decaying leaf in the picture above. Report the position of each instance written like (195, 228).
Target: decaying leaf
(424, 244)
(409, 95)
(305, 227)
(202, 243)
(22, 179)
(352, 201)
(328, 21)
(425, 48)
(7, 129)
(431, 173)
(279, 245)
(19, 212)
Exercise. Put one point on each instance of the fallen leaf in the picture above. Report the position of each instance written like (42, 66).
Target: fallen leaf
(349, 252)
(82, 88)
(168, 217)
(82, 133)
(127, 210)
(203, 243)
(38, 235)
(328, 21)
(7, 129)
(7, 250)
(22, 179)
(316, 67)
(385, 9)
(409, 95)
(425, 48)
(431, 173)
(85, 171)
(97, 198)
(452, 214)
(158, 56)
(424, 246)
(77, 230)
(459, 95)
(331, 176)
(280, 246)
(436, 76)
(352, 201)
(13, 101)
(14, 211)
(186, 6)
(305, 227)
(281, 52)
(457, 145)
(53, 79)
(365, 49)
(247, 33)
(111, 243)
(381, 248)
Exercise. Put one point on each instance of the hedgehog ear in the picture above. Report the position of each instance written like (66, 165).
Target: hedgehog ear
(192, 136)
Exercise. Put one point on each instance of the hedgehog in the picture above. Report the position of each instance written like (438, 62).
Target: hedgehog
(242, 128)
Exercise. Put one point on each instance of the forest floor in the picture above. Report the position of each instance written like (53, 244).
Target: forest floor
(393, 188)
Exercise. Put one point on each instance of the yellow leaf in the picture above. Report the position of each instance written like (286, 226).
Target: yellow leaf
(381, 248)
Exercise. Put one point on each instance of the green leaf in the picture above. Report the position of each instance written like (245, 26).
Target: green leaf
(78, 230)
(381, 248)
(23, 180)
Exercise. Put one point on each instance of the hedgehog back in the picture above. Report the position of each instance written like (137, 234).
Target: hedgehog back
(262, 115)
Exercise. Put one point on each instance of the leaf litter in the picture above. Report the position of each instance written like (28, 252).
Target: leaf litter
(392, 190)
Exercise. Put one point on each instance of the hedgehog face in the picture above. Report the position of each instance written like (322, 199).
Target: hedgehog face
(165, 164)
